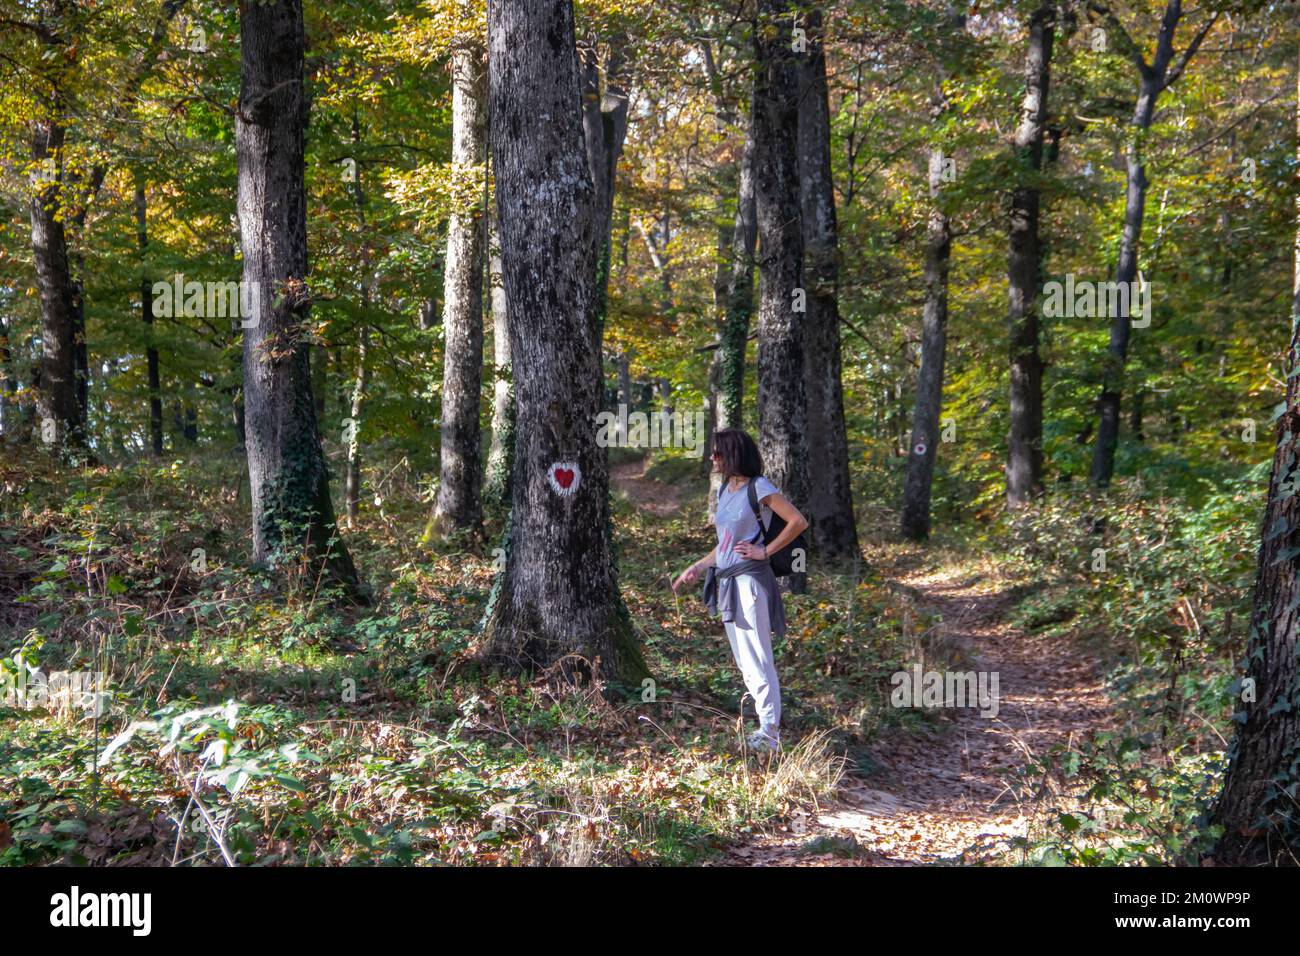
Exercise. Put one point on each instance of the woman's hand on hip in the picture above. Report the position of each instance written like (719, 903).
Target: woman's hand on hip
(751, 552)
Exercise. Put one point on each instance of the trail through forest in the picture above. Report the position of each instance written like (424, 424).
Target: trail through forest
(951, 795)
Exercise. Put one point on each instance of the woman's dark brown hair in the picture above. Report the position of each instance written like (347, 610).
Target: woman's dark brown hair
(739, 454)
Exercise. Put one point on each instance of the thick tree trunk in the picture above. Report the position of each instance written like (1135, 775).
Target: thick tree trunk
(503, 403)
(146, 312)
(1257, 808)
(782, 394)
(459, 507)
(288, 475)
(56, 400)
(557, 601)
(922, 449)
(830, 500)
(1025, 270)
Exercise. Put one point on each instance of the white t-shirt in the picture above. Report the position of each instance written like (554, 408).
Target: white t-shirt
(736, 522)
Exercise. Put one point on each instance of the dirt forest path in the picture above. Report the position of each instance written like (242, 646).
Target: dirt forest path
(661, 500)
(946, 797)
(943, 796)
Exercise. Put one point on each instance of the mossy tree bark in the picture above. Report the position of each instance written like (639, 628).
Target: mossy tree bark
(287, 471)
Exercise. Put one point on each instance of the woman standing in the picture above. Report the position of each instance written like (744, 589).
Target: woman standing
(742, 587)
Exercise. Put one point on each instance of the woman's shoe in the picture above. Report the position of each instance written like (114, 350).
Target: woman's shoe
(761, 740)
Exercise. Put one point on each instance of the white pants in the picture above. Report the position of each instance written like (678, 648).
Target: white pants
(751, 644)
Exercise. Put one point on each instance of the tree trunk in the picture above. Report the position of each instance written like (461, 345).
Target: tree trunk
(782, 395)
(369, 280)
(459, 507)
(503, 403)
(1257, 808)
(922, 448)
(557, 601)
(146, 311)
(604, 127)
(834, 532)
(8, 386)
(1154, 78)
(1025, 270)
(623, 371)
(352, 482)
(733, 336)
(429, 314)
(1135, 197)
(56, 400)
(287, 471)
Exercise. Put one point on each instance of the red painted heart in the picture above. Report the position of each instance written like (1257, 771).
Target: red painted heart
(564, 477)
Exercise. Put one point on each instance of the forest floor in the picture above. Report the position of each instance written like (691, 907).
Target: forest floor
(371, 735)
(956, 794)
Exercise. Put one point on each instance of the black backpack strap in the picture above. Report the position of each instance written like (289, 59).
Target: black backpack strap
(753, 503)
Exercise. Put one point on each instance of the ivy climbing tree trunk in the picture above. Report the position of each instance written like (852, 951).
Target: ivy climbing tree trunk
(782, 394)
(830, 499)
(727, 370)
(287, 473)
(1025, 269)
(1257, 808)
(459, 507)
(557, 601)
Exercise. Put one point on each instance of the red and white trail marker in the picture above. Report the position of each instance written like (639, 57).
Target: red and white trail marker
(564, 477)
